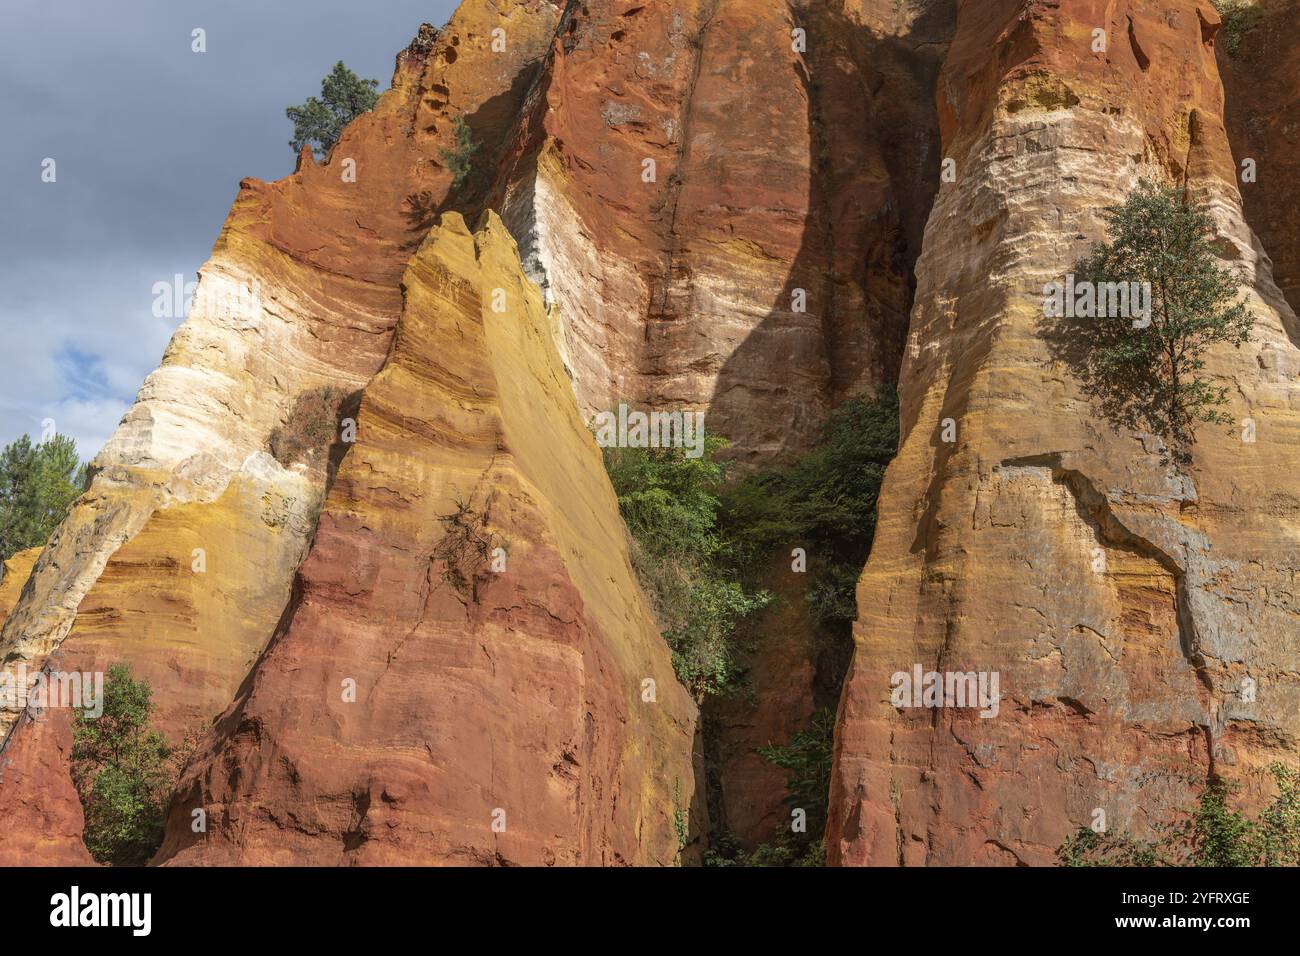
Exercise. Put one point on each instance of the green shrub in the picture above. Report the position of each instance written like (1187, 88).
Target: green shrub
(343, 97)
(807, 759)
(1212, 835)
(696, 543)
(124, 773)
(460, 158)
(726, 852)
(825, 501)
(1239, 18)
(669, 503)
(1152, 378)
(38, 484)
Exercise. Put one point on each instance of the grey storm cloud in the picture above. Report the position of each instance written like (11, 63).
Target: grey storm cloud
(150, 141)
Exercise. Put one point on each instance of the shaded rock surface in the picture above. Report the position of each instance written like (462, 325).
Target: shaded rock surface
(1261, 79)
(13, 577)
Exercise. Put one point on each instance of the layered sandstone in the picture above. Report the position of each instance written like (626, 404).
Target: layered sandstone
(470, 582)
(301, 292)
(434, 650)
(1122, 603)
(179, 557)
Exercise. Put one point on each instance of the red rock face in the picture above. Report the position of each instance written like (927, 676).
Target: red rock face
(761, 272)
(1261, 78)
(1121, 604)
(42, 813)
(721, 203)
(759, 268)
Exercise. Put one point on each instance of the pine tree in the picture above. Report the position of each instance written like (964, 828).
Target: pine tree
(343, 97)
(38, 483)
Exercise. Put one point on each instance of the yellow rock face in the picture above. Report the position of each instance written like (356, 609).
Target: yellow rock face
(191, 600)
(302, 292)
(12, 578)
(468, 672)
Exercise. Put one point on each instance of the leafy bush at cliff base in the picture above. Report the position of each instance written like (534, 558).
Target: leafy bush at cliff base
(124, 772)
(1239, 18)
(1213, 835)
(38, 484)
(825, 502)
(343, 97)
(807, 760)
(1151, 378)
(670, 505)
(460, 158)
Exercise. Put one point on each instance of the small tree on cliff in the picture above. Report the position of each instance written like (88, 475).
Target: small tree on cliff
(1151, 377)
(38, 484)
(343, 97)
(124, 772)
(460, 158)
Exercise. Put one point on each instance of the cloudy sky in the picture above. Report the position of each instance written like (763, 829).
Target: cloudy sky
(150, 141)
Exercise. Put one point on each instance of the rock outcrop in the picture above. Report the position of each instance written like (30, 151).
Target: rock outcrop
(724, 200)
(1122, 603)
(460, 677)
(707, 251)
(302, 292)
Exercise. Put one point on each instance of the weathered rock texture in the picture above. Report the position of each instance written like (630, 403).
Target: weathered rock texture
(514, 692)
(678, 283)
(1262, 81)
(1116, 681)
(13, 576)
(302, 291)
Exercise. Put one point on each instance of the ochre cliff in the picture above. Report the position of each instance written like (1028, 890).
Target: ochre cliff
(481, 689)
(672, 214)
(758, 269)
(1121, 679)
(302, 292)
(432, 649)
